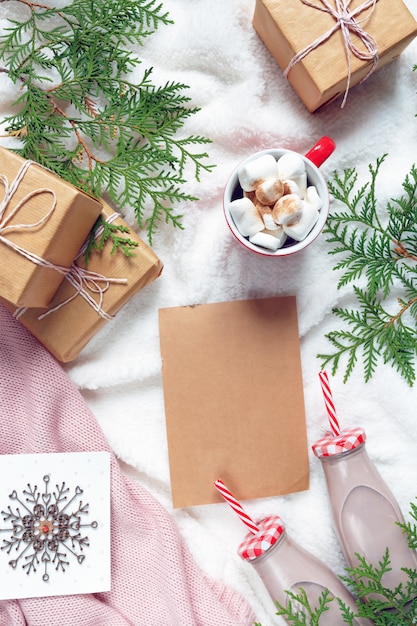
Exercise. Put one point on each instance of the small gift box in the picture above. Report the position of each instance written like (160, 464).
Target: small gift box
(326, 46)
(91, 294)
(43, 223)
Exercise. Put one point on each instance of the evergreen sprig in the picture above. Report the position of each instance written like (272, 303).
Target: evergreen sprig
(383, 606)
(378, 245)
(79, 115)
(109, 232)
(298, 609)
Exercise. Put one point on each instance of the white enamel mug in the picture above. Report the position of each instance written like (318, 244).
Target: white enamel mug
(313, 159)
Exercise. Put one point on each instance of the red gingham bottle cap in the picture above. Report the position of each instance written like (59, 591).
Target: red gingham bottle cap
(349, 439)
(253, 545)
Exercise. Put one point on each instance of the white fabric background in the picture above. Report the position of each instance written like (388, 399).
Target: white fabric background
(246, 105)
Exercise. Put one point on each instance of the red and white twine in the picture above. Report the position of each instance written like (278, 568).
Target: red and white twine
(345, 20)
(88, 284)
(6, 227)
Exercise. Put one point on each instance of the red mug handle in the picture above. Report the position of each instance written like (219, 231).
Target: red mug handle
(321, 150)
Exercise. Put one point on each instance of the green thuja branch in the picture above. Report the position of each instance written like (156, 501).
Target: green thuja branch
(105, 231)
(377, 244)
(379, 604)
(298, 610)
(384, 606)
(81, 115)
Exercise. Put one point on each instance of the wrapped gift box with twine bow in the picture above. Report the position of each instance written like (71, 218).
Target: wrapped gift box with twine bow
(324, 47)
(90, 294)
(43, 223)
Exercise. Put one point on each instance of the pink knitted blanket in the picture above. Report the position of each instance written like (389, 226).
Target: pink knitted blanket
(155, 581)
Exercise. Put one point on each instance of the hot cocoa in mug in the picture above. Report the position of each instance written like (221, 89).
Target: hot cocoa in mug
(276, 201)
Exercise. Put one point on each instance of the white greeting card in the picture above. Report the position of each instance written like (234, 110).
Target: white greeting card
(54, 524)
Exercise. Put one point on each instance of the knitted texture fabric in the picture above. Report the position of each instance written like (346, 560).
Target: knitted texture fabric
(155, 580)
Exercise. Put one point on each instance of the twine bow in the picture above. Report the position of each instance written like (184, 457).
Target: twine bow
(346, 20)
(6, 227)
(86, 283)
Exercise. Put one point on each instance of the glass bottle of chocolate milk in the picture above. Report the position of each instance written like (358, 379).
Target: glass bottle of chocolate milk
(364, 510)
(283, 566)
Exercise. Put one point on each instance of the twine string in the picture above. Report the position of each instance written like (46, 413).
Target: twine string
(6, 227)
(86, 284)
(97, 233)
(345, 20)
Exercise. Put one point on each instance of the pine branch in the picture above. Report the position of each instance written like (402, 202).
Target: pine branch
(378, 244)
(80, 116)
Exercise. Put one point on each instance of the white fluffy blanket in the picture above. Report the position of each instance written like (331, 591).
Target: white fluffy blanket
(246, 105)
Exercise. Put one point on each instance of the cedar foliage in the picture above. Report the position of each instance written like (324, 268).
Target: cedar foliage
(392, 607)
(79, 115)
(377, 244)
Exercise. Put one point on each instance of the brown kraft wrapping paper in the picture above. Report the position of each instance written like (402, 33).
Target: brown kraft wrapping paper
(44, 216)
(67, 330)
(287, 27)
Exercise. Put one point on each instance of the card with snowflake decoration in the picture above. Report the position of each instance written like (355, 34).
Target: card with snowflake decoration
(54, 524)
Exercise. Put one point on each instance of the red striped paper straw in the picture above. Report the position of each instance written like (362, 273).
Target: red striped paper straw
(236, 506)
(328, 400)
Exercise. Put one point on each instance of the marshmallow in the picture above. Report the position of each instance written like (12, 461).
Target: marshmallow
(291, 187)
(269, 190)
(287, 209)
(299, 228)
(271, 239)
(266, 214)
(301, 182)
(246, 217)
(312, 197)
(291, 165)
(253, 172)
(251, 195)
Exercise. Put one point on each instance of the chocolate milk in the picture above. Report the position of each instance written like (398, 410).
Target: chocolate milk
(285, 565)
(364, 509)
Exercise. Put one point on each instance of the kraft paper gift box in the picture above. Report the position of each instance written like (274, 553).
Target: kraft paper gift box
(288, 27)
(43, 223)
(74, 316)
